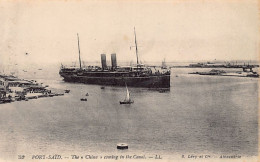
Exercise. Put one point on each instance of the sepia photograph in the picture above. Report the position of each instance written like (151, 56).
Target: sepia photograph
(129, 80)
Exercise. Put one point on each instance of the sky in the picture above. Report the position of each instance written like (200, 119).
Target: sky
(181, 30)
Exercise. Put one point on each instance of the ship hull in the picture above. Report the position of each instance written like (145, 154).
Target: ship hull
(162, 81)
(126, 102)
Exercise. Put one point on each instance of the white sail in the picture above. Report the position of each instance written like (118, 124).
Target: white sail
(127, 95)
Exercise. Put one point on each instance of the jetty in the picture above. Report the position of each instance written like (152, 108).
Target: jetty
(244, 73)
(216, 65)
(16, 89)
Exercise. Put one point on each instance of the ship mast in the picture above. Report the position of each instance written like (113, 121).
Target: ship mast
(79, 52)
(136, 51)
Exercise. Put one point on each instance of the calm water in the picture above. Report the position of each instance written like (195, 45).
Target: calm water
(200, 114)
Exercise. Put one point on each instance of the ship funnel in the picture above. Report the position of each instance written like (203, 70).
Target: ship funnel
(103, 61)
(113, 60)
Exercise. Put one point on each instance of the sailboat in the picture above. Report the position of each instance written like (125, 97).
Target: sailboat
(127, 98)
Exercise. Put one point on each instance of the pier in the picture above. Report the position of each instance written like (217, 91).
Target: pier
(15, 89)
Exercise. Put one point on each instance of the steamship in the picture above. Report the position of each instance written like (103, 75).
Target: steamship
(134, 76)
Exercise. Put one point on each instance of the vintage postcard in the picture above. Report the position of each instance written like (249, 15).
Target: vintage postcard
(129, 80)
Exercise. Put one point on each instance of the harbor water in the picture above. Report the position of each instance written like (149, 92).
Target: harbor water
(199, 115)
